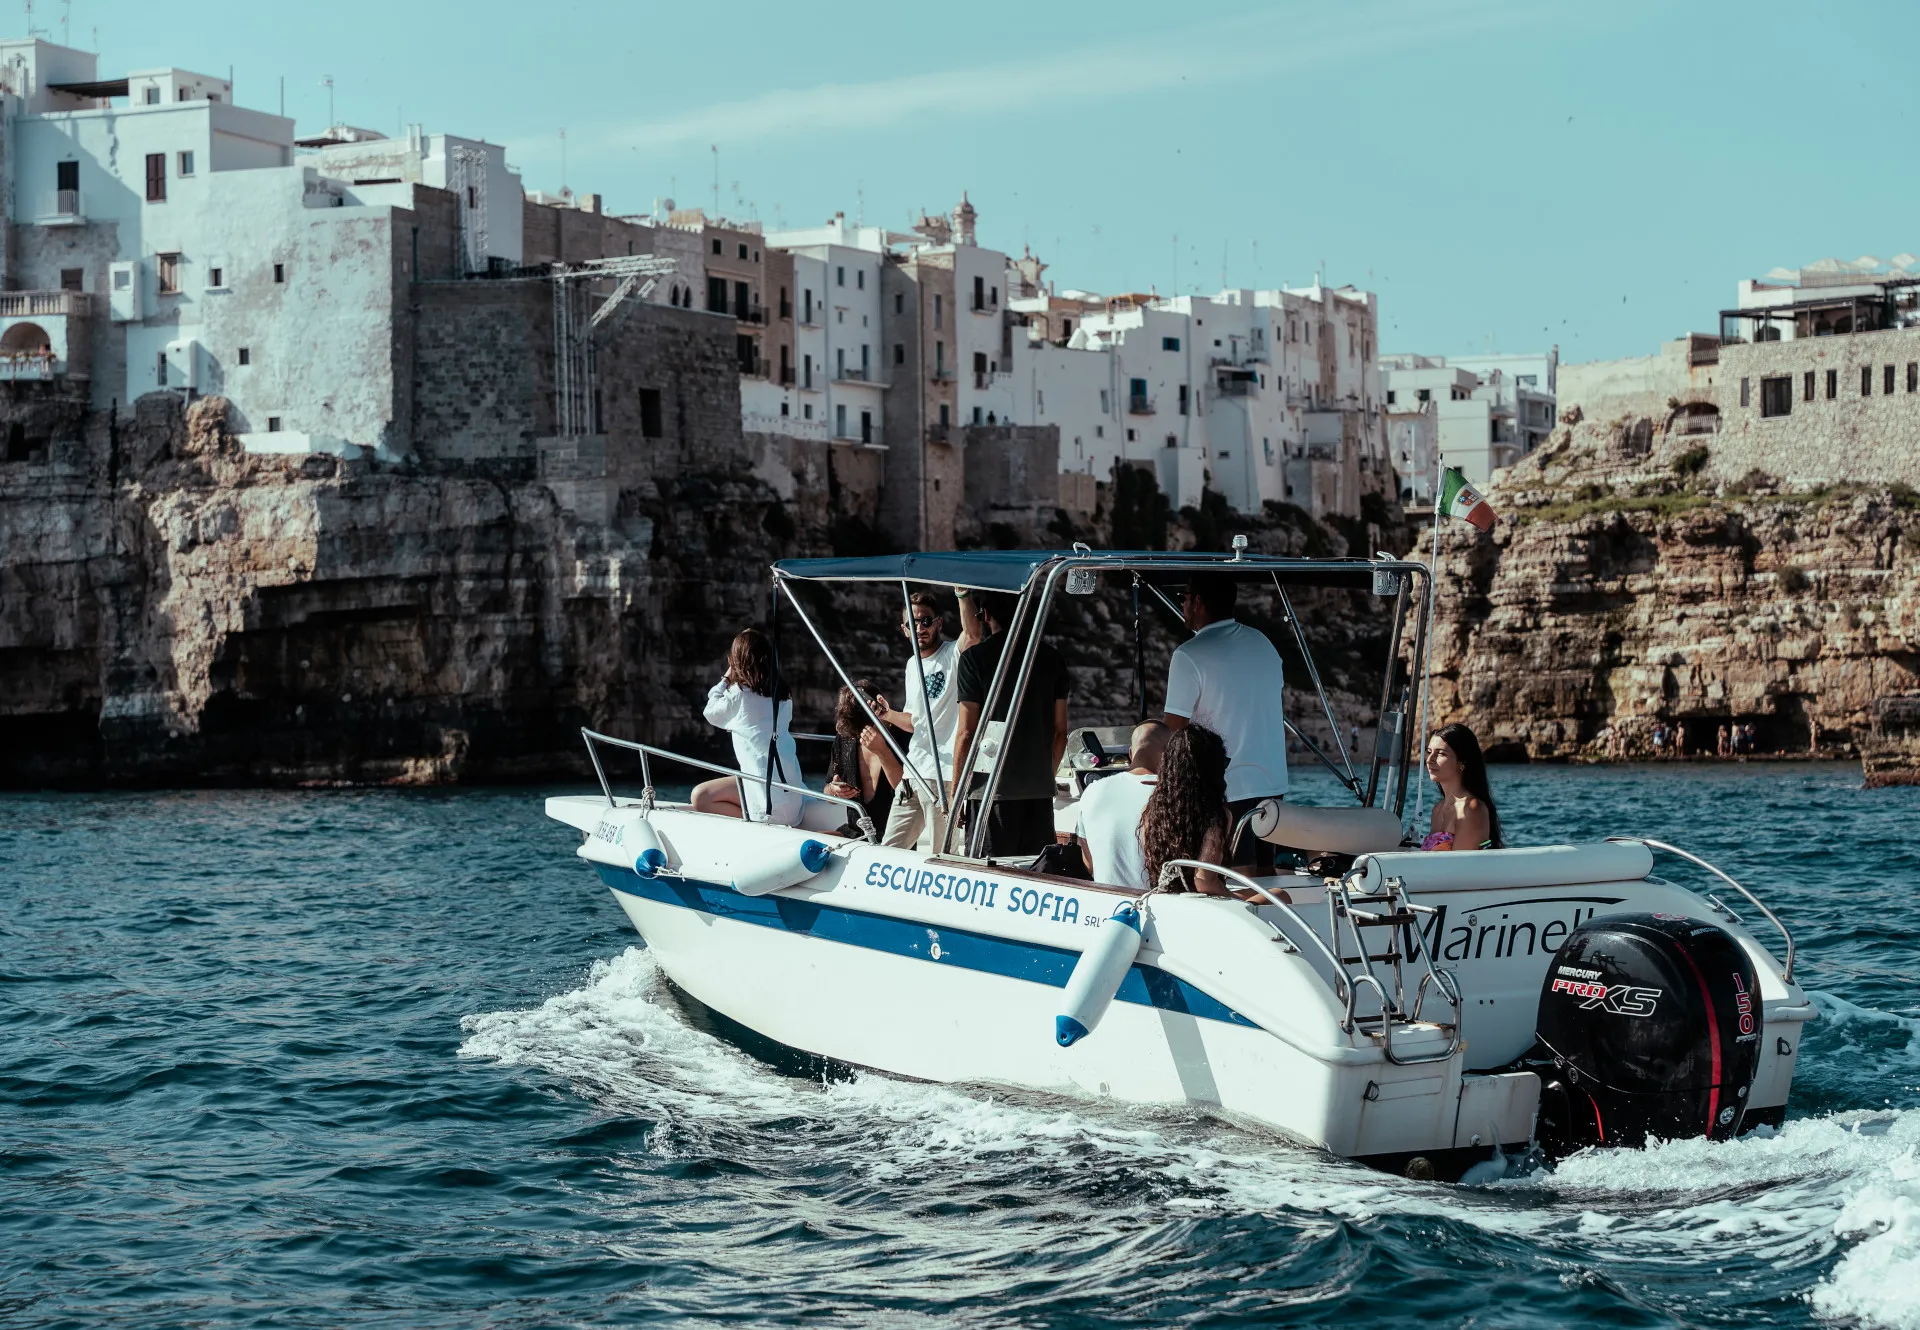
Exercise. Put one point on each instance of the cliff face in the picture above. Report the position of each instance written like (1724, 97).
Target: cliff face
(1624, 589)
(173, 609)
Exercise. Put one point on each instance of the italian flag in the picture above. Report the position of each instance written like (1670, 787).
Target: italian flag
(1459, 499)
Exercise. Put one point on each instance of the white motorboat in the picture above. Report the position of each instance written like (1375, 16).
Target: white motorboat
(1416, 1011)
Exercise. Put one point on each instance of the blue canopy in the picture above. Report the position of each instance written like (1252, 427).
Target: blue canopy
(1012, 570)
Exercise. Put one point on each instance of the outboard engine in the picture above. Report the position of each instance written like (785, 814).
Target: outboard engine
(1652, 1024)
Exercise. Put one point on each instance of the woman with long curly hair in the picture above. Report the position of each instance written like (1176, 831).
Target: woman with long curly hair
(740, 704)
(1186, 815)
(1464, 817)
(862, 767)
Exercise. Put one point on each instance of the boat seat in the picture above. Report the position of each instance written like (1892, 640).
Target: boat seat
(1327, 830)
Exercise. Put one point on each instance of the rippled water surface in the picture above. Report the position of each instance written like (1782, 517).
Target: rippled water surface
(396, 1059)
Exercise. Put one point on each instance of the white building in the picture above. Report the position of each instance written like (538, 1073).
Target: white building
(1826, 292)
(1478, 413)
(490, 195)
(840, 365)
(166, 239)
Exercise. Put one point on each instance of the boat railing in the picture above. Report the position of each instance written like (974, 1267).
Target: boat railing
(1342, 989)
(1786, 973)
(740, 778)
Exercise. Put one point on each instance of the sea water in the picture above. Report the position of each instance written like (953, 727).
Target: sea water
(396, 1059)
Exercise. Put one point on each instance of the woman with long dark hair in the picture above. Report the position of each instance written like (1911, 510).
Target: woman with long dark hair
(863, 766)
(1464, 817)
(741, 705)
(1186, 815)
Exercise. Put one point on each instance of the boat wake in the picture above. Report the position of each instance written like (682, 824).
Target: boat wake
(1825, 1210)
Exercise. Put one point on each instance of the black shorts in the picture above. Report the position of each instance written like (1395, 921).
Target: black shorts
(1016, 828)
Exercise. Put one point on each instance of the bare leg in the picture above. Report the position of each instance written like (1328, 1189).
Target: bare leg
(720, 797)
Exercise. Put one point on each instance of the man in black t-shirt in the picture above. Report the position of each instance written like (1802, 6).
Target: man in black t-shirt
(1021, 821)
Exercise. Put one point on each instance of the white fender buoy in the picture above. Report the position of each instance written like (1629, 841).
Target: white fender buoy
(1097, 975)
(649, 857)
(770, 870)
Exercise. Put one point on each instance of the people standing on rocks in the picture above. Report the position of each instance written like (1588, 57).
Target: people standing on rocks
(1724, 747)
(1112, 807)
(741, 704)
(1030, 746)
(932, 680)
(863, 766)
(1464, 816)
(1227, 678)
(1187, 814)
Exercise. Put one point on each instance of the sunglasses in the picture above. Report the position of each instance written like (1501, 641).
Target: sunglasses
(919, 622)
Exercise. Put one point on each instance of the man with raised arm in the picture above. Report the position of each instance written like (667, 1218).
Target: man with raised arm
(1227, 678)
(1030, 749)
(932, 677)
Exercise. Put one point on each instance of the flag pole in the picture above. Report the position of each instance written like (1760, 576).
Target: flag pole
(1426, 665)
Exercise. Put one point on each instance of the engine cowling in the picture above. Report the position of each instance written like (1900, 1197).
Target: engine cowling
(1652, 1023)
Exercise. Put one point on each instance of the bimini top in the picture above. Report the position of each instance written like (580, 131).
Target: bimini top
(1014, 570)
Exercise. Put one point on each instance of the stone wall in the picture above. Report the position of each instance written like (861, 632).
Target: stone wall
(1871, 438)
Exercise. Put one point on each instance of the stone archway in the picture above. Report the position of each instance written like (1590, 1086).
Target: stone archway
(25, 339)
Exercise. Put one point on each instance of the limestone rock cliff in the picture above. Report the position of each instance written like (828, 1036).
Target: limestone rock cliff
(1623, 588)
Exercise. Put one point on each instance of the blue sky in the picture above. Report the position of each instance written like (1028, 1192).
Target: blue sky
(1507, 174)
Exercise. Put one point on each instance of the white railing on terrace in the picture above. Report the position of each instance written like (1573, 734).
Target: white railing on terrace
(41, 304)
(61, 203)
(18, 365)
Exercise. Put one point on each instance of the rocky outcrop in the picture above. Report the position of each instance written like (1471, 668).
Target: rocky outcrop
(175, 610)
(1623, 590)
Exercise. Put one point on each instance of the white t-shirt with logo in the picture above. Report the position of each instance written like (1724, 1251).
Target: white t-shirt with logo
(1226, 677)
(1110, 825)
(942, 670)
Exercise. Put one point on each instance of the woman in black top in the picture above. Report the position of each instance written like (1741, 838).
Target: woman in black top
(863, 766)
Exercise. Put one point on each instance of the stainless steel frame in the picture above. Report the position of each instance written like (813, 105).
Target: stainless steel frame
(1786, 974)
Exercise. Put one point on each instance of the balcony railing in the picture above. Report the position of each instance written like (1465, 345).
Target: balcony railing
(18, 365)
(41, 304)
(1139, 404)
(942, 375)
(750, 313)
(61, 207)
(980, 379)
(786, 377)
(850, 375)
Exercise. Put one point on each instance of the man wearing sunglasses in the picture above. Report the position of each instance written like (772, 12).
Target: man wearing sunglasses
(936, 660)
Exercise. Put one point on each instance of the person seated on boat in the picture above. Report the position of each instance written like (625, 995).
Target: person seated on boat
(863, 767)
(1021, 820)
(1464, 817)
(932, 672)
(1111, 809)
(1227, 677)
(1187, 815)
(740, 704)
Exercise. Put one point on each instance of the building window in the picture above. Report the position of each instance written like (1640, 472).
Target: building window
(716, 248)
(860, 279)
(1389, 397)
(839, 276)
(1913, 376)
(946, 414)
(1806, 388)
(160, 371)
(937, 306)
(650, 413)
(273, 424)
(246, 356)
(1886, 382)
(73, 279)
(1866, 380)
(806, 411)
(1424, 394)
(1833, 384)
(840, 421)
(473, 196)
(279, 273)
(716, 295)
(840, 362)
(215, 278)
(169, 274)
(156, 177)
(1776, 396)
(866, 362)
(866, 427)
(979, 293)
(743, 251)
(899, 302)
(1746, 392)
(1169, 343)
(979, 416)
(939, 359)
(184, 164)
(153, 96)
(1130, 436)
(899, 353)
(1183, 399)
(742, 301)
(1104, 409)
(1173, 440)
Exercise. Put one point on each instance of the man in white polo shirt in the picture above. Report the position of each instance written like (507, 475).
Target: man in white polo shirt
(1111, 808)
(1227, 678)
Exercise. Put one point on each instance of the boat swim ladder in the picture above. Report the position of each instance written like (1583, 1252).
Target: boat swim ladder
(1351, 917)
(1350, 975)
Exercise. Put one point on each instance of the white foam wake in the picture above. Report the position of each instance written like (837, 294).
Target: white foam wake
(1788, 1198)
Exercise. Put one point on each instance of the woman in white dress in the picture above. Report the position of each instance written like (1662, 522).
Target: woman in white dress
(740, 704)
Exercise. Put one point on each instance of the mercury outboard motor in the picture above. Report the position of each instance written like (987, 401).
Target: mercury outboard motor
(1652, 1024)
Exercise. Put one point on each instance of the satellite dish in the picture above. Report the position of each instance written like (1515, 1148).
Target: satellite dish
(669, 204)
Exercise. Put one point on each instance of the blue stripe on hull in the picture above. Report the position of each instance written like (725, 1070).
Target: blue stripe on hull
(1145, 985)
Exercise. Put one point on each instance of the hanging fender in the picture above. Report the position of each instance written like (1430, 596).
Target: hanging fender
(765, 870)
(1097, 975)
